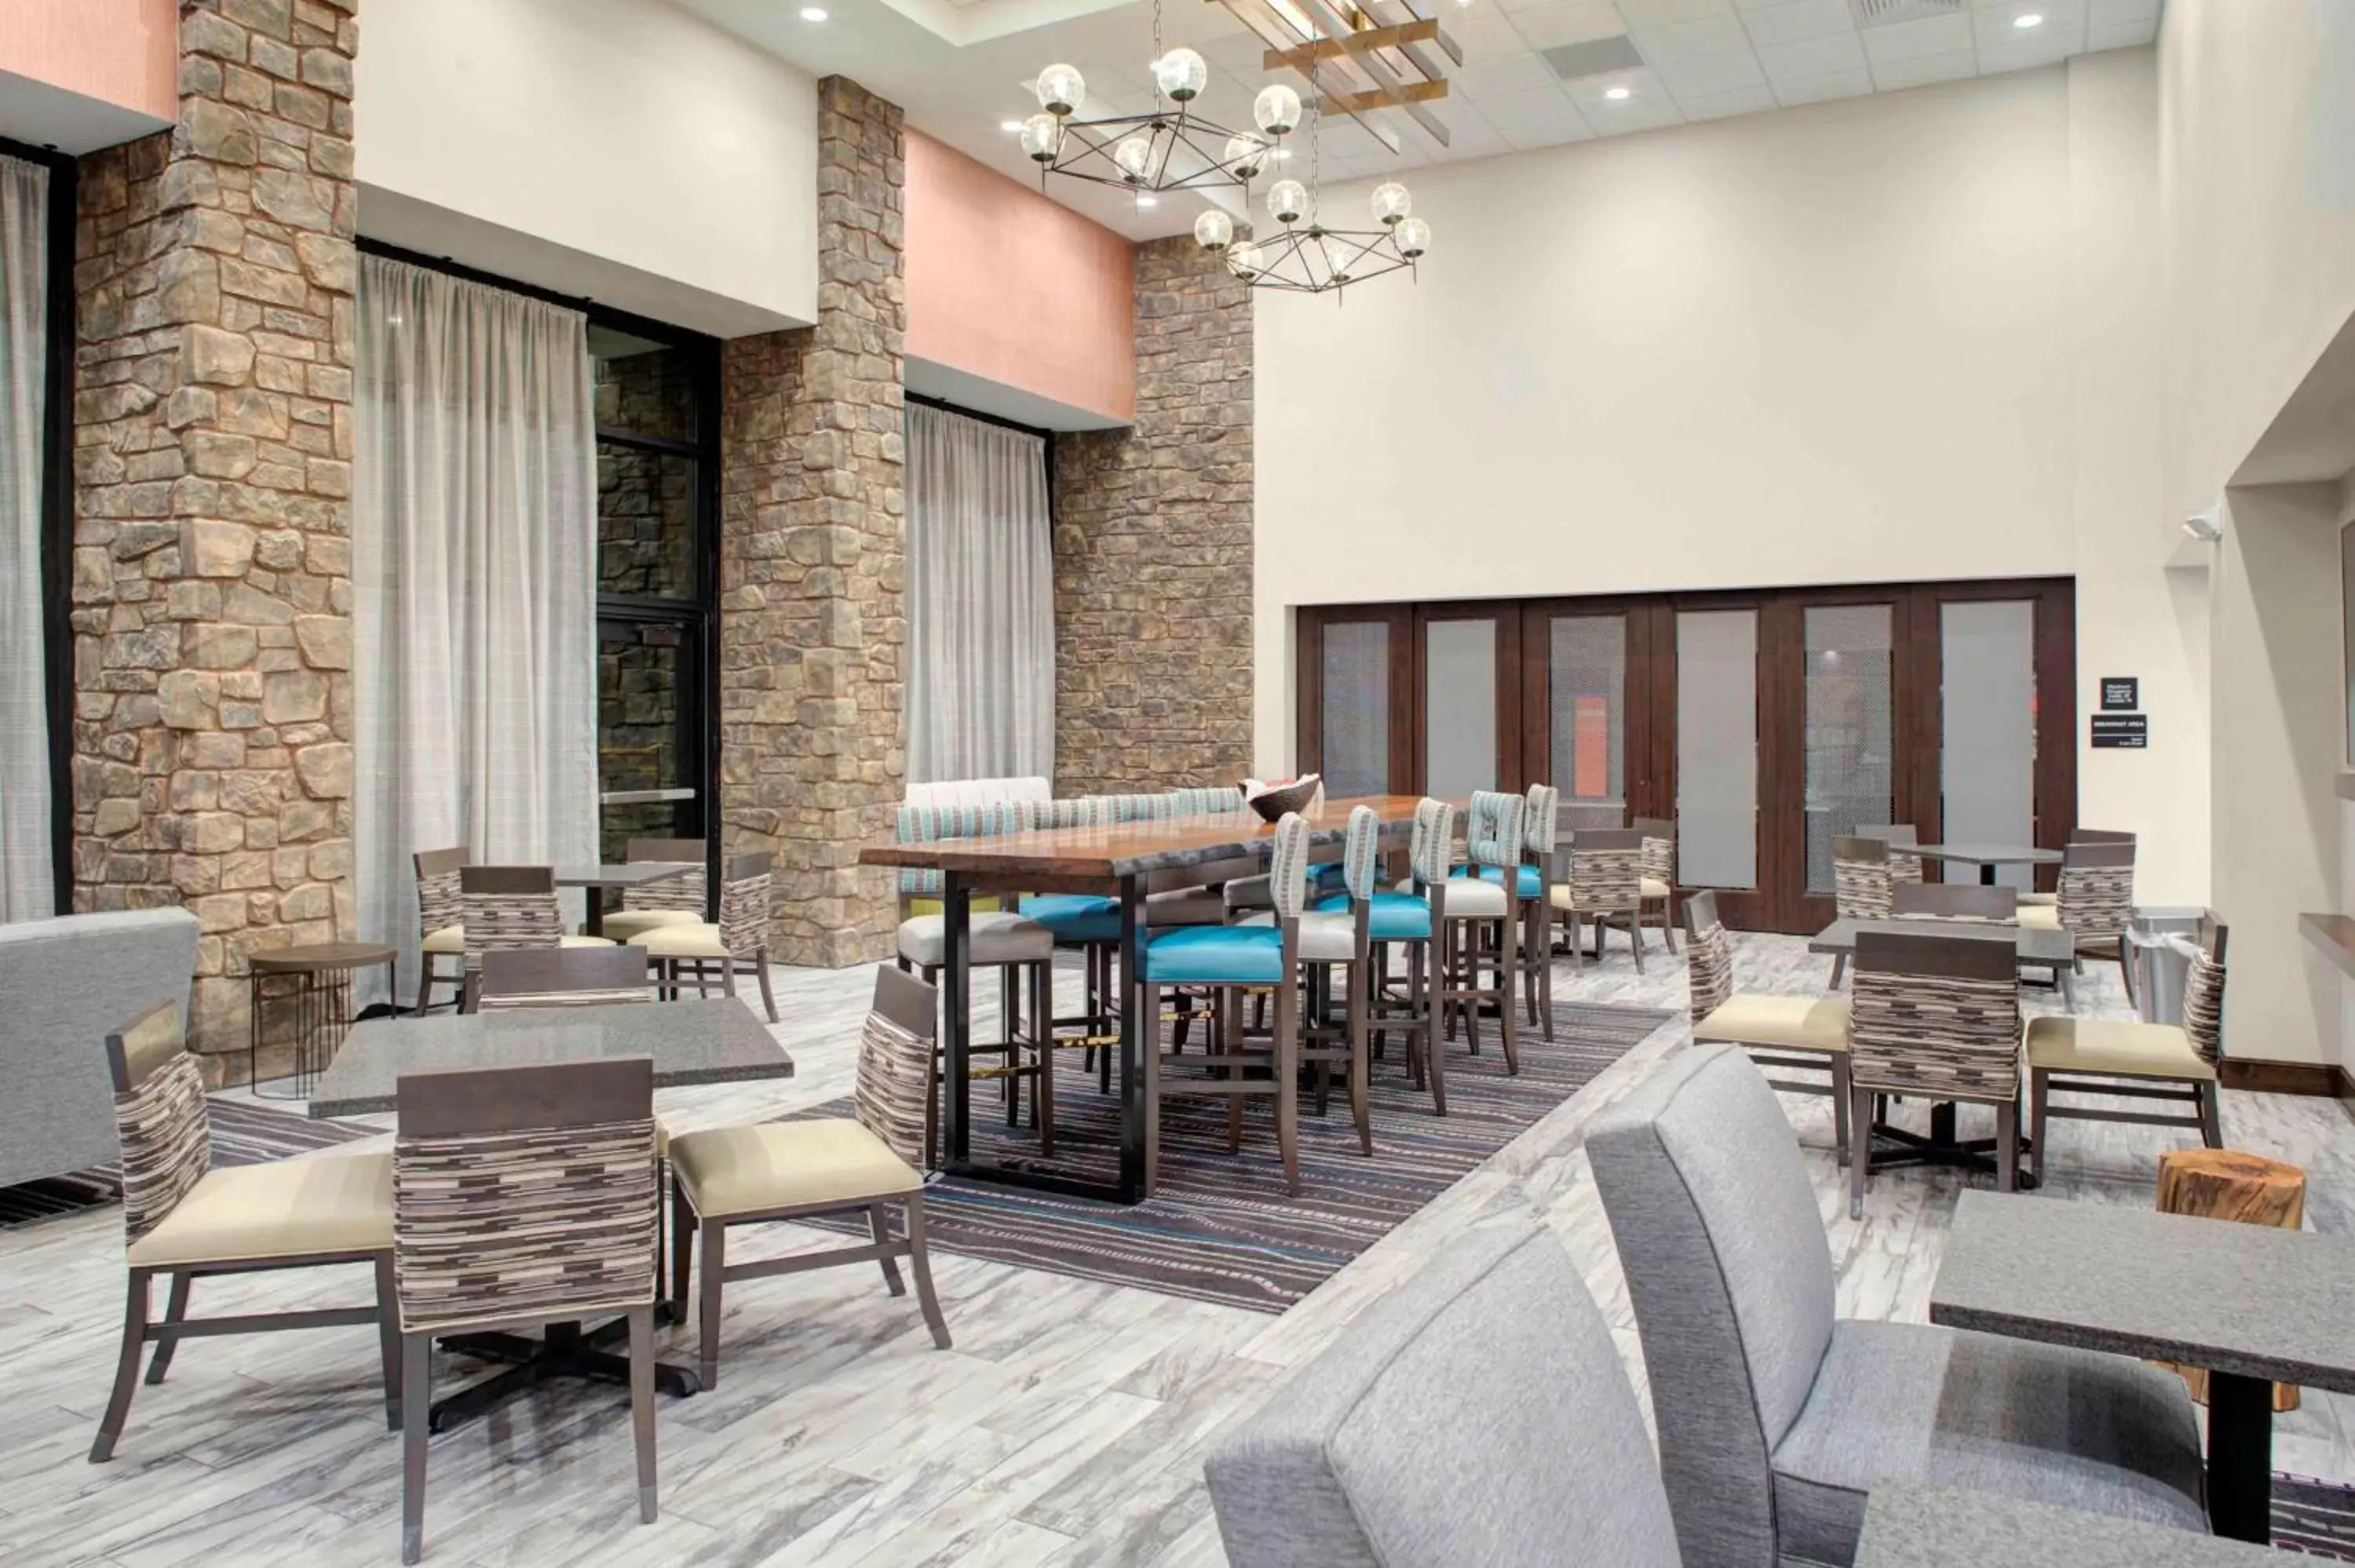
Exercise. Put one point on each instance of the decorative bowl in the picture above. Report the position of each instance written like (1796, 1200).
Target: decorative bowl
(1273, 801)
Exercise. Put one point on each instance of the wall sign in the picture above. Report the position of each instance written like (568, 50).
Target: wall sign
(2129, 732)
(2121, 694)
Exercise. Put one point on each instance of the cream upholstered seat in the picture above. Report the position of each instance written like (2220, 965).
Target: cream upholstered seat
(2043, 916)
(731, 1171)
(1472, 900)
(1652, 888)
(1783, 1022)
(741, 937)
(673, 901)
(289, 1208)
(1327, 936)
(451, 940)
(2126, 1050)
(1789, 1034)
(992, 936)
(624, 925)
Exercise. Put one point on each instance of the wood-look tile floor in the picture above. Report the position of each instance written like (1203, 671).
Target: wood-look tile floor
(1067, 1426)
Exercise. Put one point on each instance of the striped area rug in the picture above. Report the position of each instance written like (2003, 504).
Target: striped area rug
(244, 1133)
(1221, 1228)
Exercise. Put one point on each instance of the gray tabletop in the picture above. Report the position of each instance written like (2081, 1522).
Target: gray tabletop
(1910, 1525)
(2037, 944)
(1984, 855)
(635, 874)
(2232, 1298)
(716, 1042)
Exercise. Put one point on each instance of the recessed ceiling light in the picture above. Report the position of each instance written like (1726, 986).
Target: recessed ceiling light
(1280, 154)
(812, 13)
(2028, 19)
(1012, 127)
(1618, 94)
(1147, 201)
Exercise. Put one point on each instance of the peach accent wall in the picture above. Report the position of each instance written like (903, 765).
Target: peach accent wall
(124, 52)
(1007, 285)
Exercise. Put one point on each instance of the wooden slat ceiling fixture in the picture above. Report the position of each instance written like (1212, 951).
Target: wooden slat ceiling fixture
(1361, 57)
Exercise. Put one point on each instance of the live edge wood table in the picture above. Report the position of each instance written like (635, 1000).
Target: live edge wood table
(717, 1042)
(2252, 1305)
(1126, 862)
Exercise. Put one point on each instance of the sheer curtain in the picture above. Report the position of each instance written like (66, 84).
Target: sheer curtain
(981, 601)
(474, 586)
(25, 883)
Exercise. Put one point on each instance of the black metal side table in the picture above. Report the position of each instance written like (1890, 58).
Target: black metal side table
(310, 988)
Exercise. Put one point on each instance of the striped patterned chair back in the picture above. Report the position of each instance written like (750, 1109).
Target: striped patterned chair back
(507, 907)
(1201, 802)
(690, 891)
(441, 902)
(1606, 870)
(1935, 1015)
(1863, 886)
(524, 1195)
(1903, 866)
(568, 977)
(1659, 848)
(1430, 849)
(1361, 851)
(1492, 830)
(745, 903)
(2203, 995)
(1540, 820)
(972, 820)
(1708, 955)
(159, 1117)
(2096, 890)
(893, 1088)
(1287, 867)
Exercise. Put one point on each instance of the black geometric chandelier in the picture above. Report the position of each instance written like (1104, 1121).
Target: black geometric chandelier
(1304, 256)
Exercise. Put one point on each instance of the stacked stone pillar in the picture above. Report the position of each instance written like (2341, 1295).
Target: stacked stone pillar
(214, 275)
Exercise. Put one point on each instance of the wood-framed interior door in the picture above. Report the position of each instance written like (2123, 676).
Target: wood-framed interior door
(1850, 706)
(1468, 707)
(1354, 685)
(1586, 708)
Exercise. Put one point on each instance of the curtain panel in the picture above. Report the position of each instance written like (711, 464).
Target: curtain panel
(26, 875)
(474, 586)
(981, 601)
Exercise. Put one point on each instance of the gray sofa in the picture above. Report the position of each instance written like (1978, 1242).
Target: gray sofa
(1775, 1416)
(65, 984)
(1477, 1418)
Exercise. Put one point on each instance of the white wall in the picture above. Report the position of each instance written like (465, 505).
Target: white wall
(621, 149)
(1896, 338)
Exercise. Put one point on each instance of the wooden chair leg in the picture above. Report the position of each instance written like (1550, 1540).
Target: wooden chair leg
(1859, 1154)
(2007, 1147)
(176, 1308)
(760, 968)
(1042, 1040)
(1149, 997)
(1509, 959)
(919, 1260)
(417, 1404)
(2039, 1120)
(2212, 1129)
(424, 984)
(387, 1329)
(878, 1226)
(1435, 1049)
(1839, 967)
(126, 1368)
(707, 1348)
(1287, 1080)
(1840, 1109)
(682, 1243)
(1360, 1057)
(1635, 941)
(642, 1407)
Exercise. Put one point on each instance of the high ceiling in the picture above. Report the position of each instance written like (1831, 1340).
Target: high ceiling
(1536, 73)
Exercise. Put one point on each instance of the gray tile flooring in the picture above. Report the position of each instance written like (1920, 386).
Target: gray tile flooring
(1066, 1427)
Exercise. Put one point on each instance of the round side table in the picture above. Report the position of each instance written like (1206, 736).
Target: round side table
(310, 991)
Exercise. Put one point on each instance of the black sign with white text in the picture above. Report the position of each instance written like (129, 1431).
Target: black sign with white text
(2121, 694)
(2129, 732)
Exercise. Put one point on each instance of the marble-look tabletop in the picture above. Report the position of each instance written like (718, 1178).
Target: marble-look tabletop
(715, 1042)
(1983, 854)
(1910, 1525)
(2251, 1299)
(2037, 944)
(631, 874)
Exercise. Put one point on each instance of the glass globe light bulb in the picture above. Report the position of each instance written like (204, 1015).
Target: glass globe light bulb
(1062, 89)
(1414, 237)
(1338, 256)
(1246, 156)
(1390, 202)
(1214, 231)
(1277, 110)
(1244, 260)
(1042, 137)
(1180, 74)
(1288, 200)
(1134, 156)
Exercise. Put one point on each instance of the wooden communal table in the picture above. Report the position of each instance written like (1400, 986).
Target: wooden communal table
(1126, 862)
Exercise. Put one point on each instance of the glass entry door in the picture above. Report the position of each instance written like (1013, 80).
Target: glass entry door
(1354, 680)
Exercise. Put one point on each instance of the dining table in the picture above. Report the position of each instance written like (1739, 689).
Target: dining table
(716, 1042)
(625, 875)
(1127, 861)
(2251, 1304)
(1985, 856)
(2041, 947)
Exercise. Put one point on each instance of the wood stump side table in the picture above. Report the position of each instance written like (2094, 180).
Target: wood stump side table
(310, 989)
(2227, 1184)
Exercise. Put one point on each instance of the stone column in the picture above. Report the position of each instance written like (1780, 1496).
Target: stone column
(1153, 549)
(813, 559)
(214, 272)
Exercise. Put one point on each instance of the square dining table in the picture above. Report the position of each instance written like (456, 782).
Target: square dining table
(1127, 861)
(626, 875)
(1985, 856)
(2252, 1305)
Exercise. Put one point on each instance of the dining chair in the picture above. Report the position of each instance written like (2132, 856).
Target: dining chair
(2095, 900)
(1904, 866)
(1337, 934)
(1966, 901)
(1401, 918)
(441, 921)
(522, 1197)
(1783, 1033)
(185, 1220)
(1934, 1016)
(2079, 836)
(1861, 880)
(681, 900)
(1605, 886)
(1658, 887)
(759, 1172)
(1476, 931)
(507, 907)
(2134, 1061)
(1542, 843)
(567, 977)
(741, 937)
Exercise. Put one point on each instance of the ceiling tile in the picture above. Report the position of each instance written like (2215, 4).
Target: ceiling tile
(1554, 134)
(1522, 72)
(1237, 52)
(1923, 36)
(1724, 105)
(1484, 37)
(1725, 73)
(2107, 13)
(1799, 21)
(1682, 41)
(1648, 105)
(2062, 27)
(1823, 89)
(1661, 13)
(2120, 35)
(1522, 111)
(1919, 70)
(1814, 56)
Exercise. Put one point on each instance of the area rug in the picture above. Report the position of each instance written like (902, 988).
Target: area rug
(1220, 1227)
(244, 1133)
(2317, 1518)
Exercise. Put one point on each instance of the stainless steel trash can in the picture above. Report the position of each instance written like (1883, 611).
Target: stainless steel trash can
(2160, 940)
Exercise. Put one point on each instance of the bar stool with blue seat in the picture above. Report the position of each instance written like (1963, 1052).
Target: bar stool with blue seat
(1542, 871)
(1477, 931)
(1337, 933)
(1228, 960)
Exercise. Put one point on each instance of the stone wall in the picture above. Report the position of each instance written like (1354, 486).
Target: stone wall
(813, 559)
(213, 441)
(645, 499)
(1152, 549)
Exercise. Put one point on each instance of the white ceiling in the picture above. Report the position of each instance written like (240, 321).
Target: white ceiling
(959, 68)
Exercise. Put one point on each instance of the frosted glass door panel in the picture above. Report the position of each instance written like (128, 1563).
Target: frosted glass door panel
(1986, 766)
(1717, 748)
(1459, 722)
(1588, 692)
(1355, 722)
(1851, 764)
